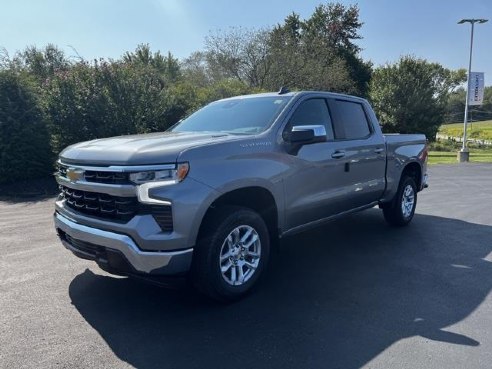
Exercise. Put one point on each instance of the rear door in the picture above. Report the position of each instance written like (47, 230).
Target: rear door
(363, 151)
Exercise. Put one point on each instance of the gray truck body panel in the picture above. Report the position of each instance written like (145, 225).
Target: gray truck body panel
(308, 186)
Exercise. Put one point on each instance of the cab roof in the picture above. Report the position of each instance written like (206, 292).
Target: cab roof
(296, 93)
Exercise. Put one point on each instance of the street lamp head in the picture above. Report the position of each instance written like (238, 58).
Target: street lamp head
(466, 20)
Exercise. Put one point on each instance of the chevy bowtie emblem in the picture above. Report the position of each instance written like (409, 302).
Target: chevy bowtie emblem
(74, 174)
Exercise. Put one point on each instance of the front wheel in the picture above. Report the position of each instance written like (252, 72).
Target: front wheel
(401, 210)
(231, 254)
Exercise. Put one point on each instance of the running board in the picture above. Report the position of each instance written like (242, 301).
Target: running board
(319, 222)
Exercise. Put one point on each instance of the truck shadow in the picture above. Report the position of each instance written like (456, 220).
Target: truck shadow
(335, 297)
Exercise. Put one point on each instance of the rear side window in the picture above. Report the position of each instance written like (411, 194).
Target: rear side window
(312, 112)
(352, 118)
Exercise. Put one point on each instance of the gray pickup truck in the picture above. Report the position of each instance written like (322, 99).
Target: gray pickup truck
(209, 197)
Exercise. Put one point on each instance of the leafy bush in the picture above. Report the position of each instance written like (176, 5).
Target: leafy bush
(24, 140)
(444, 146)
(109, 99)
(410, 96)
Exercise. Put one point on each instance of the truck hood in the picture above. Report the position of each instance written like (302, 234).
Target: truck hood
(153, 148)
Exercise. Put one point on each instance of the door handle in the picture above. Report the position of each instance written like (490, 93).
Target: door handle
(338, 154)
(379, 150)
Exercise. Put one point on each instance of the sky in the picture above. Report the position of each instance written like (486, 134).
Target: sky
(107, 28)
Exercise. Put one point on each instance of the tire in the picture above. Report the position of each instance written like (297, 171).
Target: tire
(400, 211)
(231, 254)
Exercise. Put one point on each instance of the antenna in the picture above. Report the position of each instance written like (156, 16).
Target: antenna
(283, 90)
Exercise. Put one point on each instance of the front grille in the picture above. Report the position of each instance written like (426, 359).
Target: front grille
(98, 176)
(100, 204)
(106, 177)
(116, 208)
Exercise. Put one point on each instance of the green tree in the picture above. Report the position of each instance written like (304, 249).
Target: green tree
(167, 66)
(103, 99)
(41, 63)
(187, 97)
(410, 96)
(319, 52)
(24, 140)
(196, 70)
(455, 106)
(239, 53)
(223, 89)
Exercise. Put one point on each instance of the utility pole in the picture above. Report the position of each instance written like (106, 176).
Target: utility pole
(464, 154)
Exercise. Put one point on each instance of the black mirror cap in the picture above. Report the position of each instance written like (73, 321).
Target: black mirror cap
(307, 134)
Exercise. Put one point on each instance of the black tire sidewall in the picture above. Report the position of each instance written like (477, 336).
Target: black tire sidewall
(398, 210)
(210, 246)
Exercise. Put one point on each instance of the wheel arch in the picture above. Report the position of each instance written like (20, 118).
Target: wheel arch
(256, 198)
(413, 170)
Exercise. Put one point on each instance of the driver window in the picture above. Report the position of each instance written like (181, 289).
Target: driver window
(312, 112)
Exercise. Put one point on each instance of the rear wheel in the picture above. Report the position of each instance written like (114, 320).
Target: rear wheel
(401, 210)
(231, 254)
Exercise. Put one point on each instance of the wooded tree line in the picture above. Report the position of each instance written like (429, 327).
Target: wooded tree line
(49, 100)
(456, 106)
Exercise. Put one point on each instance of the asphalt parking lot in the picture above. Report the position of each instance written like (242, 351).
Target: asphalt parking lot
(354, 293)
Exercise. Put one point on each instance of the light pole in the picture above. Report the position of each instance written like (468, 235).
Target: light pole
(464, 154)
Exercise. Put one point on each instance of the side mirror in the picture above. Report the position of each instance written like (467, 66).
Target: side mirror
(307, 134)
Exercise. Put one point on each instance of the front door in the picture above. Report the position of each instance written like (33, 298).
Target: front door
(344, 173)
(316, 185)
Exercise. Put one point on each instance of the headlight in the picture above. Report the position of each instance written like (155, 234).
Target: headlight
(164, 177)
(149, 180)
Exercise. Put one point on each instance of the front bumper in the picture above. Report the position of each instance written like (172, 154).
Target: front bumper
(119, 252)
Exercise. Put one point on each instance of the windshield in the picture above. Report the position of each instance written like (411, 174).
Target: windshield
(248, 115)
